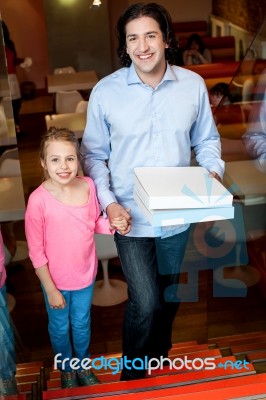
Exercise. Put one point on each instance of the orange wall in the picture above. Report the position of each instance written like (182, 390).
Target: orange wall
(25, 20)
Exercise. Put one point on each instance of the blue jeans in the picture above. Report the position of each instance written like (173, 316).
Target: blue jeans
(69, 328)
(7, 345)
(150, 266)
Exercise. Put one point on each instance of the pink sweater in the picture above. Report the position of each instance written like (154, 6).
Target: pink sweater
(62, 236)
(2, 262)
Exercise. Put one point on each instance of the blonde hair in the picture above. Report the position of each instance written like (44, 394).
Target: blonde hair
(57, 134)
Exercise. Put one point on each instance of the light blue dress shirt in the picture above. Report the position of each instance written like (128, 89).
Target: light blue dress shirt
(130, 124)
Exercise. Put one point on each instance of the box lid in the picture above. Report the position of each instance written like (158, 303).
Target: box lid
(179, 187)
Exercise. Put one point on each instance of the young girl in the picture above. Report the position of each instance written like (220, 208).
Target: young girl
(61, 218)
(8, 384)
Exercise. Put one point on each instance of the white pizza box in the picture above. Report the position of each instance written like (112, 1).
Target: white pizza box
(179, 187)
(183, 216)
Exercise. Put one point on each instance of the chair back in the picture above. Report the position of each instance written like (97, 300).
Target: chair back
(66, 101)
(82, 106)
(9, 163)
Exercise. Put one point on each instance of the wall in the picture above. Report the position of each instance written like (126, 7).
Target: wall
(185, 10)
(26, 24)
(247, 14)
(78, 35)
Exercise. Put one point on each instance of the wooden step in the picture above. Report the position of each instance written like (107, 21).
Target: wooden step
(26, 365)
(185, 344)
(15, 397)
(27, 376)
(188, 349)
(182, 345)
(214, 340)
(248, 348)
(226, 343)
(152, 383)
(218, 390)
(257, 356)
(28, 371)
(25, 387)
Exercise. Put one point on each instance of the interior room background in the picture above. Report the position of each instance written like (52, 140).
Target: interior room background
(56, 33)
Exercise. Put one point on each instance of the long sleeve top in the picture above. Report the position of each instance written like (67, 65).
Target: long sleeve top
(130, 124)
(62, 236)
(2, 262)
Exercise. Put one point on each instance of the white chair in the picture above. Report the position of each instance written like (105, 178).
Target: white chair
(7, 106)
(64, 70)
(9, 163)
(74, 121)
(82, 107)
(9, 167)
(66, 101)
(107, 292)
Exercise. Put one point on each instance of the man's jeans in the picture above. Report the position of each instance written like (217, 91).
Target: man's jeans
(71, 325)
(7, 346)
(150, 265)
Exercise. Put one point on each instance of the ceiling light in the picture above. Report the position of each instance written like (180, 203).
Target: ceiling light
(96, 3)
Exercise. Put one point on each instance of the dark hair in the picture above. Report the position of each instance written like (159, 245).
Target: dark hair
(220, 88)
(160, 15)
(195, 37)
(7, 40)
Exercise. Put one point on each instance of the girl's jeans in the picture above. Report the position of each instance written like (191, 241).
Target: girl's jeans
(69, 328)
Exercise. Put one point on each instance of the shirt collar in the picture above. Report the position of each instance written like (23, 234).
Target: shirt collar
(132, 76)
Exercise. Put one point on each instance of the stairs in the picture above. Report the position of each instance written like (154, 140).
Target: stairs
(237, 370)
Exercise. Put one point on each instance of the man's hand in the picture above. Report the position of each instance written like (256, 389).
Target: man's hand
(115, 211)
(215, 175)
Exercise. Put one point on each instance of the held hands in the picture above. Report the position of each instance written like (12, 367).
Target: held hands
(119, 218)
(56, 300)
(194, 53)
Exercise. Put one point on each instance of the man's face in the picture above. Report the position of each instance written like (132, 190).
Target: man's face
(146, 48)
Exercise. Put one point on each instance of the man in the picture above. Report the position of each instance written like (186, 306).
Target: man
(147, 114)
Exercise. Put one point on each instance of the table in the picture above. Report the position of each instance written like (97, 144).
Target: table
(12, 202)
(246, 181)
(82, 80)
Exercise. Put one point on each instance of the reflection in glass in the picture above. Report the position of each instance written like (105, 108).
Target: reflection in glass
(242, 126)
(242, 123)
(12, 207)
(7, 126)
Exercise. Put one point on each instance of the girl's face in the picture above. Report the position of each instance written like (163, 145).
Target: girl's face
(194, 46)
(61, 161)
(215, 99)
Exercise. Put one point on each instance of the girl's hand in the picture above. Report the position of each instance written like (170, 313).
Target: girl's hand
(114, 211)
(56, 300)
(121, 224)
